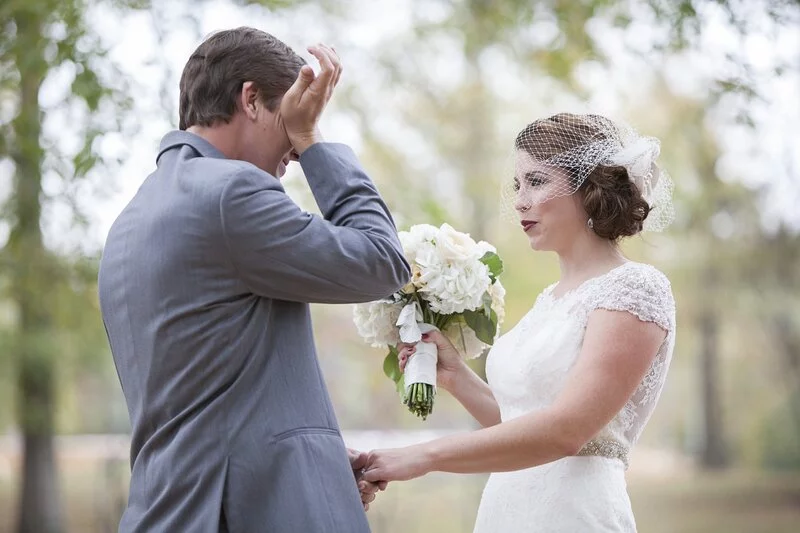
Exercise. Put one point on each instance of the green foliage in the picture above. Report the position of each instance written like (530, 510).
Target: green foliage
(463, 129)
(780, 437)
(495, 264)
(391, 367)
(461, 125)
(40, 37)
(52, 295)
(484, 325)
(7, 375)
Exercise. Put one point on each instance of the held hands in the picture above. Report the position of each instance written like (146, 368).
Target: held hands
(403, 464)
(450, 363)
(305, 100)
(374, 470)
(368, 489)
(398, 464)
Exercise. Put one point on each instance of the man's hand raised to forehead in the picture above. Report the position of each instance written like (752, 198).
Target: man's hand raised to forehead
(302, 105)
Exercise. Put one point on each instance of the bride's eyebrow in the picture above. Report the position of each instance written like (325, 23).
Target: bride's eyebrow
(537, 174)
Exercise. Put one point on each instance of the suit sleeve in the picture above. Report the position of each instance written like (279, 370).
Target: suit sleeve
(351, 254)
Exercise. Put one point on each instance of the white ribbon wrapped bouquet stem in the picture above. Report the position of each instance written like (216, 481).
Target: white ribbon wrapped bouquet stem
(420, 371)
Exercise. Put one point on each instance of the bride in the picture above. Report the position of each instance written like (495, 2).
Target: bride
(572, 385)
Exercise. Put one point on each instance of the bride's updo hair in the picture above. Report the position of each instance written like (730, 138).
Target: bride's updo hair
(610, 197)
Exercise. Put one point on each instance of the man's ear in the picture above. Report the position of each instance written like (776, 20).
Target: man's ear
(249, 100)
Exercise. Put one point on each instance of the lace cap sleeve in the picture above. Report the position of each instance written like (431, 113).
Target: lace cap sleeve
(641, 290)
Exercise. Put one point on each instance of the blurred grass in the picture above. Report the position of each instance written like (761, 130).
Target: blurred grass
(726, 502)
(730, 502)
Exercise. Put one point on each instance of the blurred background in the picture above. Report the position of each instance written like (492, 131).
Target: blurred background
(433, 94)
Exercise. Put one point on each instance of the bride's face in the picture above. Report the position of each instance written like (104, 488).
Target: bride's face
(549, 214)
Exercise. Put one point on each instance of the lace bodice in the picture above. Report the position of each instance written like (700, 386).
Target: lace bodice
(528, 366)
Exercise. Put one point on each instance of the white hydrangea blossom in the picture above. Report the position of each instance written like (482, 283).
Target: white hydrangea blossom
(377, 322)
(446, 268)
(456, 287)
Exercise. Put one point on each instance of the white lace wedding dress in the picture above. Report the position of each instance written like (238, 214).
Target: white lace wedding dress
(527, 368)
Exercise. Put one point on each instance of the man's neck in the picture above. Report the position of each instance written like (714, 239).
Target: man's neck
(223, 137)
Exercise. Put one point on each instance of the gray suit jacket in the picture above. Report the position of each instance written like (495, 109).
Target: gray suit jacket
(204, 288)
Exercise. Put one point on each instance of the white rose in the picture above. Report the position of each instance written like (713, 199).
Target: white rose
(485, 248)
(455, 246)
(424, 232)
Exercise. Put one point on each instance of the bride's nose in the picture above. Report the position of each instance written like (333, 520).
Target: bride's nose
(522, 204)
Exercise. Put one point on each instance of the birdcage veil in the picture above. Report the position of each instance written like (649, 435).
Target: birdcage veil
(554, 156)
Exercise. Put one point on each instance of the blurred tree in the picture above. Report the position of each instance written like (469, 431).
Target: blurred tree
(456, 120)
(508, 50)
(773, 274)
(731, 269)
(778, 278)
(462, 114)
(48, 289)
(707, 257)
(38, 37)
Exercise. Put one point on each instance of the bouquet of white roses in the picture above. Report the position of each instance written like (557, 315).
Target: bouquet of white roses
(454, 288)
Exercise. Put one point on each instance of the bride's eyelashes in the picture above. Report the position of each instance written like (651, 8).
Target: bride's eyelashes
(536, 179)
(532, 179)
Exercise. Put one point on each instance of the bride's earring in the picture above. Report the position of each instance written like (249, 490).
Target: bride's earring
(590, 223)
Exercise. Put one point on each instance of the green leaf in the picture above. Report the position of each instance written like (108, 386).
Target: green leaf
(495, 264)
(391, 367)
(482, 325)
(401, 386)
(87, 86)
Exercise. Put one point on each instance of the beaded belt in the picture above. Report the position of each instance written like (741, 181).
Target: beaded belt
(606, 448)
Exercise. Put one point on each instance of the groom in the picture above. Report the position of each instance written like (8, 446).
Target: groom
(204, 288)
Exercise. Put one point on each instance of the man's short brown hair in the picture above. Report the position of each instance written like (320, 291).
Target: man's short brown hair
(213, 77)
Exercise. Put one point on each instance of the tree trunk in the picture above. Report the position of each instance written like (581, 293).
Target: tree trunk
(40, 508)
(713, 454)
(788, 342)
(786, 334)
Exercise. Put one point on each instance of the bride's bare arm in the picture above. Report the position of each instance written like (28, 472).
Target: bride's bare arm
(617, 350)
(475, 395)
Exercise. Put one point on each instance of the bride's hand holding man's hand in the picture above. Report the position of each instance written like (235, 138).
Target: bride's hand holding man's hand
(359, 462)
(397, 464)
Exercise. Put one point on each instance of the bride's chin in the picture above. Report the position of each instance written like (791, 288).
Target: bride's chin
(535, 244)
(540, 246)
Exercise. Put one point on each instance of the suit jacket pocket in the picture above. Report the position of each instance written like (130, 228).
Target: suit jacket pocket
(305, 431)
(305, 483)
